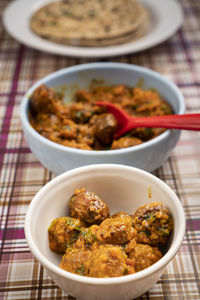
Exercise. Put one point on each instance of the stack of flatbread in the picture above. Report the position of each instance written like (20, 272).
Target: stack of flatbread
(90, 22)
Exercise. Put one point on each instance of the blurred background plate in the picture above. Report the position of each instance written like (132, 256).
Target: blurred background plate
(166, 17)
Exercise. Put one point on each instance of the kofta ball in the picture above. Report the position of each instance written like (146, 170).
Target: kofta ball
(104, 126)
(76, 261)
(43, 100)
(108, 261)
(117, 230)
(153, 223)
(144, 256)
(88, 207)
(63, 232)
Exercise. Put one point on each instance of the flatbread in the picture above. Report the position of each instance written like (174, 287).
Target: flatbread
(102, 42)
(90, 22)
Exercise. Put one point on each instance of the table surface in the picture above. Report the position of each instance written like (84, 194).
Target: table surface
(21, 174)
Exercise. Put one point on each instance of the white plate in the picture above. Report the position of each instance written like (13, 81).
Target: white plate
(166, 19)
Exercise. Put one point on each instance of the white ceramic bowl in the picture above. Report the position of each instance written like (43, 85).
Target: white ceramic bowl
(123, 188)
(148, 156)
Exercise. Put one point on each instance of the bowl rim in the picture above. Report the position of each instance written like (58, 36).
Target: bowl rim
(92, 66)
(113, 280)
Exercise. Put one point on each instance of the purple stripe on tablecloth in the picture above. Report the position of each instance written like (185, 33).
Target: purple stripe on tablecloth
(188, 84)
(15, 93)
(17, 150)
(186, 47)
(193, 224)
(10, 106)
(5, 133)
(13, 233)
(3, 140)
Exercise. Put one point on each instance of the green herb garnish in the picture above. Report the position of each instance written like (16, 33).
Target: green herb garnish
(163, 231)
(125, 271)
(74, 237)
(70, 222)
(89, 237)
(149, 216)
(124, 246)
(81, 270)
(147, 232)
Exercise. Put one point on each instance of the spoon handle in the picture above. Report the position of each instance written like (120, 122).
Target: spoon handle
(186, 121)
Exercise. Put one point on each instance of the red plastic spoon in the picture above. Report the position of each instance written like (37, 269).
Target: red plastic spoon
(127, 122)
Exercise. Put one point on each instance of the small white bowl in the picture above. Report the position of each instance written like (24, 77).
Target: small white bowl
(123, 188)
(147, 156)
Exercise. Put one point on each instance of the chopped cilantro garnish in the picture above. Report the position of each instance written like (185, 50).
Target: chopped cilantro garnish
(149, 216)
(81, 270)
(70, 222)
(52, 224)
(72, 199)
(125, 271)
(163, 231)
(147, 232)
(89, 237)
(73, 238)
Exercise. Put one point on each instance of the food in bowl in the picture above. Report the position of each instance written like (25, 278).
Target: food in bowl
(84, 125)
(91, 22)
(94, 244)
(118, 185)
(147, 156)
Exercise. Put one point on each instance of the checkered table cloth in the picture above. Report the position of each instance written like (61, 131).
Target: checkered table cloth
(21, 174)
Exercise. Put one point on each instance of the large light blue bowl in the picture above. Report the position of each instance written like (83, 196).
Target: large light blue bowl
(147, 156)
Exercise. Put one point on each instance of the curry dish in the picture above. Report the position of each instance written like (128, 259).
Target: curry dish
(93, 243)
(84, 125)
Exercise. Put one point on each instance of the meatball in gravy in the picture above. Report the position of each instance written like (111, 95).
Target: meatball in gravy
(88, 207)
(93, 243)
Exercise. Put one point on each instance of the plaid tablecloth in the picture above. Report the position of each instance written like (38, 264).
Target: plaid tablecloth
(21, 174)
